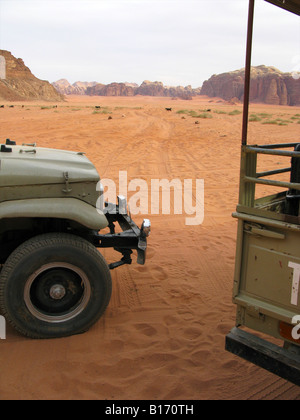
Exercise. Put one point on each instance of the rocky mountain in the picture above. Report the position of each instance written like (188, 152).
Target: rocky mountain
(77, 88)
(113, 89)
(268, 85)
(147, 88)
(158, 89)
(18, 83)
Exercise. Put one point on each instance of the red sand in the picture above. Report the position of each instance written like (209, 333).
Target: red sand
(162, 336)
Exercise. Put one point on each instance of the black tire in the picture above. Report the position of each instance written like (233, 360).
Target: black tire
(54, 285)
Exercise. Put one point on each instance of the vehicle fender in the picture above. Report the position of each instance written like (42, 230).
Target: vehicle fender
(61, 208)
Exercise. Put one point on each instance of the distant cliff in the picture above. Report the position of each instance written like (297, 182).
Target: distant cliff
(113, 89)
(18, 83)
(158, 89)
(77, 88)
(268, 85)
(147, 88)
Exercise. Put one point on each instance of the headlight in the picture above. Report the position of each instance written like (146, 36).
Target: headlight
(146, 227)
(122, 203)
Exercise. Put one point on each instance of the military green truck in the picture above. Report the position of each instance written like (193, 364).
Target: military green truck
(267, 268)
(54, 282)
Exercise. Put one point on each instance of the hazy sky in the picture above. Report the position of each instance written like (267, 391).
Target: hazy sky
(177, 42)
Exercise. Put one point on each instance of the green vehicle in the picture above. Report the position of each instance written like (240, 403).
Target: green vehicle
(54, 282)
(267, 270)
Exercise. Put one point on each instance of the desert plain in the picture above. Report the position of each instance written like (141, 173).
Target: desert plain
(163, 334)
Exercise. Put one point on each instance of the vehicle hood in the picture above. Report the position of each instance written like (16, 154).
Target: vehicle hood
(25, 165)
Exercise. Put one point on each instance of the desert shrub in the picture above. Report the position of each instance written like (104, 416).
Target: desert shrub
(194, 114)
(203, 115)
(102, 111)
(254, 118)
(275, 122)
(295, 117)
(235, 112)
(264, 115)
(183, 111)
(218, 111)
(285, 122)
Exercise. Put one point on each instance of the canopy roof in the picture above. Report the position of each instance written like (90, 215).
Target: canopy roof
(290, 5)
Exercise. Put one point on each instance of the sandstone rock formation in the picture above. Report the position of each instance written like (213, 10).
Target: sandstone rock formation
(158, 89)
(147, 88)
(77, 88)
(268, 85)
(113, 89)
(19, 83)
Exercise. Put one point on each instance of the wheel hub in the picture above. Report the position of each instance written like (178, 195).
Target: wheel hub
(57, 291)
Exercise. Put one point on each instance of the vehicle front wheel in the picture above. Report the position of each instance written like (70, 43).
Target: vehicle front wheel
(54, 285)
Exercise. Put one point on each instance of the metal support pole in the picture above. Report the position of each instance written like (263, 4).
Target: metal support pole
(248, 71)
